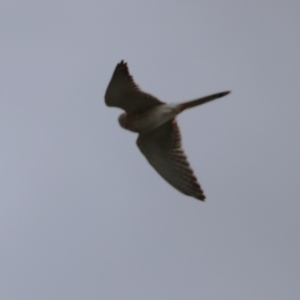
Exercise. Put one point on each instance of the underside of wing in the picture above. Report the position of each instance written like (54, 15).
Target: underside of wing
(162, 148)
(124, 93)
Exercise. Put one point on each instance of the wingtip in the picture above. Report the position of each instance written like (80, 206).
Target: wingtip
(199, 195)
(201, 198)
(122, 62)
(122, 67)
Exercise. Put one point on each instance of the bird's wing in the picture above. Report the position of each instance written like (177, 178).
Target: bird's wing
(124, 93)
(162, 148)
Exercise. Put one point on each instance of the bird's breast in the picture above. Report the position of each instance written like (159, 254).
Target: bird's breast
(151, 118)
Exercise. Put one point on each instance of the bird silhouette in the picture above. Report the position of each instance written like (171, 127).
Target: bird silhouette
(159, 137)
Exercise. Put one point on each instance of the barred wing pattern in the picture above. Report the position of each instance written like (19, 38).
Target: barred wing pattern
(124, 93)
(162, 148)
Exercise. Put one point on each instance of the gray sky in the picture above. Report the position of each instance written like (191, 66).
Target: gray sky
(83, 215)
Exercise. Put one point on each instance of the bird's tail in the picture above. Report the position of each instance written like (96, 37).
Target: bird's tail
(203, 100)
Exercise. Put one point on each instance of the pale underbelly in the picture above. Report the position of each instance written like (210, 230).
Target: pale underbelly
(153, 118)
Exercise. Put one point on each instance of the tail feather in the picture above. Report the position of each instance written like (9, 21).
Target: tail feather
(203, 100)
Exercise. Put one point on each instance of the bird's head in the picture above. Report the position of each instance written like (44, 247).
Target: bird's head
(122, 120)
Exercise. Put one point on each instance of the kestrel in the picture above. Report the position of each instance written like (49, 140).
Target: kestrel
(159, 136)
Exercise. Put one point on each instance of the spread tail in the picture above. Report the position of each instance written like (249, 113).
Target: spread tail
(203, 100)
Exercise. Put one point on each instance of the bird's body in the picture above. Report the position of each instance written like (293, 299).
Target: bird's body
(159, 137)
(150, 119)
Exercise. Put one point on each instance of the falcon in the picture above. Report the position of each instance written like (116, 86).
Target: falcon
(159, 137)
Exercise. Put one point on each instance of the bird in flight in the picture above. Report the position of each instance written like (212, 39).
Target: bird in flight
(159, 136)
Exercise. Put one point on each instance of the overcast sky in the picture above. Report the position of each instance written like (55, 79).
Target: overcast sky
(82, 213)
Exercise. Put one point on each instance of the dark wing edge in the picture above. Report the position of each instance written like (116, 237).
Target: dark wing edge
(124, 93)
(162, 148)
